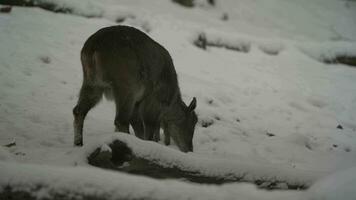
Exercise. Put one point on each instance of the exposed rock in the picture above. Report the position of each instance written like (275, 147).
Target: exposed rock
(185, 3)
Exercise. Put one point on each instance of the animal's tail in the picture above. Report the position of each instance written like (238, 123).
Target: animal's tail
(93, 73)
(92, 70)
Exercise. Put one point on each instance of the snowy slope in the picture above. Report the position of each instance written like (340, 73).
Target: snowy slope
(278, 109)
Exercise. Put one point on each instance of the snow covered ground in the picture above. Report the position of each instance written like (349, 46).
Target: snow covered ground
(280, 109)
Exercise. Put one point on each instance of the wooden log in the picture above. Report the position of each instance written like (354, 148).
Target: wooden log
(130, 156)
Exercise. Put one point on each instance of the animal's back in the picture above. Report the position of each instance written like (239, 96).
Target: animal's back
(125, 54)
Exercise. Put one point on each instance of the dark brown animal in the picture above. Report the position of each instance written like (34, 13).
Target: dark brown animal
(129, 67)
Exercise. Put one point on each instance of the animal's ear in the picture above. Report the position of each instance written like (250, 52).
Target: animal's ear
(192, 104)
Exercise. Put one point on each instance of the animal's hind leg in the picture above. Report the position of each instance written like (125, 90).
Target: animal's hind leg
(124, 107)
(89, 96)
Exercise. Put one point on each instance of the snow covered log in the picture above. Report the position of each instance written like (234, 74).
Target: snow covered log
(30, 182)
(129, 154)
(332, 52)
(347, 60)
(202, 41)
(84, 8)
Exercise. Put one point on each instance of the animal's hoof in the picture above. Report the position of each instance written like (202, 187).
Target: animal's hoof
(78, 144)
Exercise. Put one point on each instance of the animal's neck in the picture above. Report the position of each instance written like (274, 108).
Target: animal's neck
(175, 110)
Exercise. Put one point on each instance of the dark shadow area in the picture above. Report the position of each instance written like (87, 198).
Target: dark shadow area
(191, 3)
(185, 3)
(8, 193)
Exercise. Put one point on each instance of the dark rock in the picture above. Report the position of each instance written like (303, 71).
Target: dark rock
(5, 9)
(211, 2)
(201, 41)
(308, 146)
(270, 134)
(185, 3)
(340, 127)
(120, 19)
(207, 123)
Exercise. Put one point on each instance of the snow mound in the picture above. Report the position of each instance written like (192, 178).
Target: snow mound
(329, 51)
(340, 185)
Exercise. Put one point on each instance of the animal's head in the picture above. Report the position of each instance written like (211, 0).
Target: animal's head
(182, 128)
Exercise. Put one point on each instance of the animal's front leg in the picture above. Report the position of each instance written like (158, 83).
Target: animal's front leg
(89, 96)
(137, 123)
(151, 130)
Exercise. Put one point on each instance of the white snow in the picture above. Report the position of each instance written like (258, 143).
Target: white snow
(275, 110)
(5, 155)
(340, 185)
